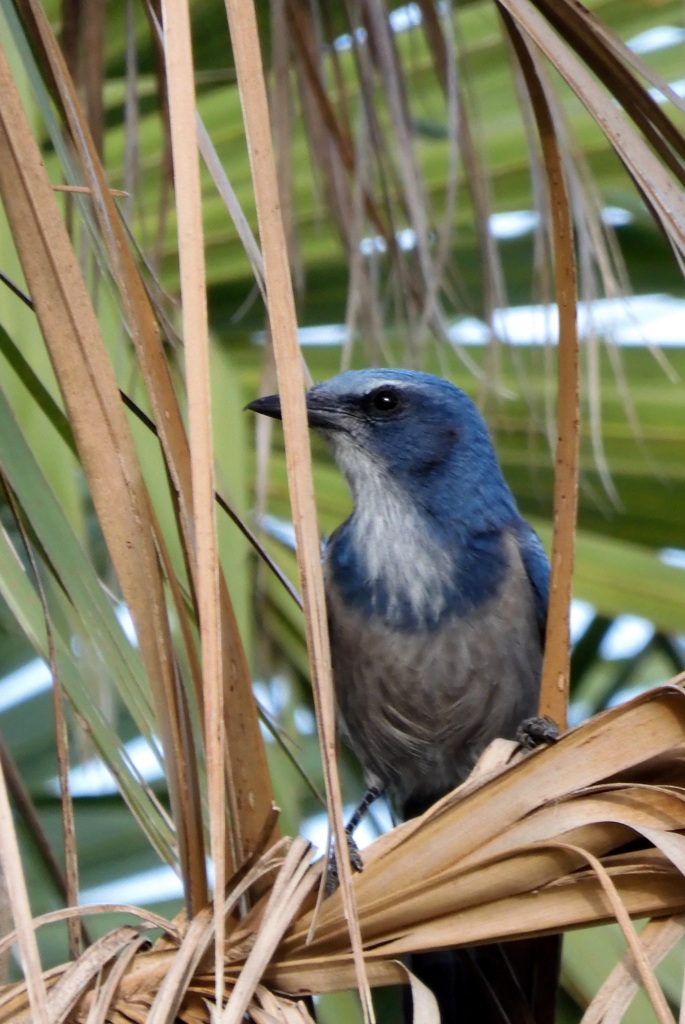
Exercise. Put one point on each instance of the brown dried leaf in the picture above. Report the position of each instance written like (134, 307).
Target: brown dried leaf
(485, 862)
(178, 54)
(67, 992)
(249, 784)
(283, 324)
(557, 662)
(663, 195)
(86, 378)
(15, 884)
(546, 843)
(616, 994)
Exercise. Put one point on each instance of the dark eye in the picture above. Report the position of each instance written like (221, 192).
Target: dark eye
(382, 401)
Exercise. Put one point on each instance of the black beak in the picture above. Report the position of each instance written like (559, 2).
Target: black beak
(270, 405)
(319, 414)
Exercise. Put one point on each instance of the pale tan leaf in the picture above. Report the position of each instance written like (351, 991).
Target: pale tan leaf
(69, 989)
(283, 323)
(292, 885)
(15, 882)
(424, 1004)
(657, 939)
(276, 1008)
(525, 849)
(557, 659)
(250, 791)
(86, 377)
(14, 999)
(196, 940)
(486, 869)
(178, 53)
(649, 980)
(106, 993)
(148, 916)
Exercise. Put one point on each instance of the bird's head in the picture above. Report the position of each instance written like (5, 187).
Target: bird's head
(417, 432)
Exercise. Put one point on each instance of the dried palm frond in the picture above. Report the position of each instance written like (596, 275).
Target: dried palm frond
(589, 830)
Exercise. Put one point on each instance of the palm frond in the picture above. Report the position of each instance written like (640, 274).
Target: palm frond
(582, 832)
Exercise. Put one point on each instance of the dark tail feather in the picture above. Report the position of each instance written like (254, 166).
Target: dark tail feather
(443, 972)
(506, 983)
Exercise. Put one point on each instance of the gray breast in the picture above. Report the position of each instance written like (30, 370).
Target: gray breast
(419, 707)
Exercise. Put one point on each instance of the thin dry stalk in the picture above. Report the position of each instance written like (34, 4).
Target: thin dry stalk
(557, 663)
(250, 793)
(106, 992)
(62, 737)
(86, 377)
(180, 79)
(662, 194)
(610, 1004)
(13, 874)
(283, 325)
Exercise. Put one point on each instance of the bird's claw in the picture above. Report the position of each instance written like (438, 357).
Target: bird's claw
(536, 732)
(354, 854)
(356, 863)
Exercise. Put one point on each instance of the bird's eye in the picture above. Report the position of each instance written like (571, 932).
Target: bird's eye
(382, 401)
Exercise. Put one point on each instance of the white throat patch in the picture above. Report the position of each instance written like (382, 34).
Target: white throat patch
(391, 537)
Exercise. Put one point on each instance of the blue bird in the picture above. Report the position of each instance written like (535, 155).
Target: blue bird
(436, 587)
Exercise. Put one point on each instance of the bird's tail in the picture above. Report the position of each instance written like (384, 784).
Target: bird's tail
(505, 983)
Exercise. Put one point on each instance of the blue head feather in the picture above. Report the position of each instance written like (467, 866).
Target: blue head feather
(433, 442)
(431, 504)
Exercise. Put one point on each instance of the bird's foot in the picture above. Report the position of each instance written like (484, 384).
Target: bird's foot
(355, 857)
(356, 863)
(536, 732)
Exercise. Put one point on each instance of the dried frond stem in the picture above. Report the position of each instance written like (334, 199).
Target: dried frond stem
(178, 55)
(10, 862)
(557, 663)
(522, 849)
(86, 377)
(283, 323)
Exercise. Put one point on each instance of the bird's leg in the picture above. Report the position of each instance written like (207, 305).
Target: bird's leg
(370, 797)
(535, 732)
(332, 881)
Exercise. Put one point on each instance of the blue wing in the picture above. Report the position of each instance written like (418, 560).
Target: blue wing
(536, 565)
